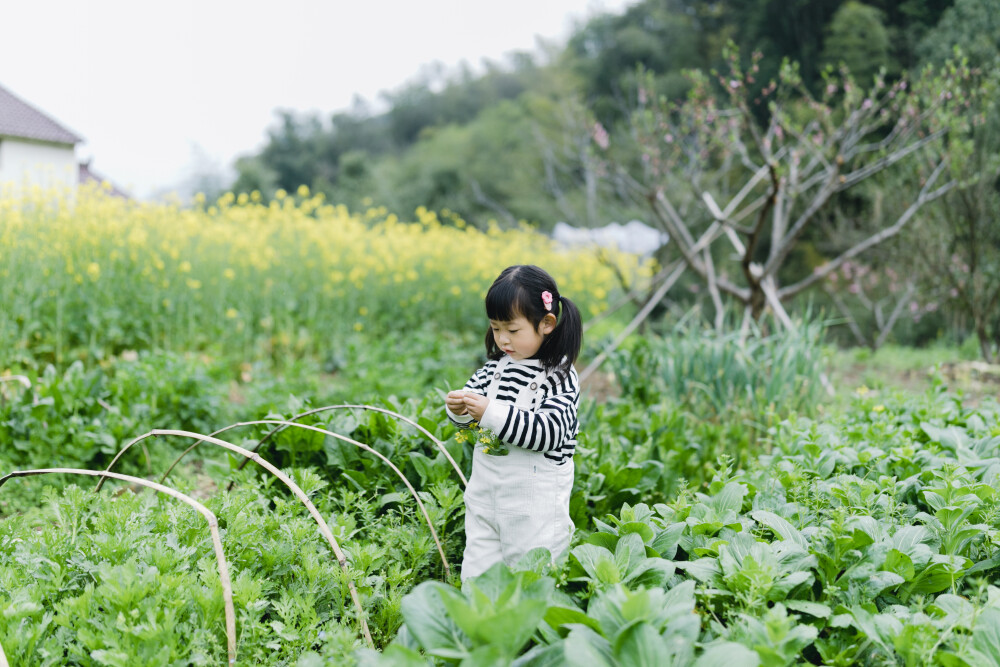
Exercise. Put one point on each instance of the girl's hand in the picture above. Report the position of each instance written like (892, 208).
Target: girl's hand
(455, 400)
(476, 404)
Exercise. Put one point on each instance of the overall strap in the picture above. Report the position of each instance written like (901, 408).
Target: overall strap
(491, 392)
(528, 396)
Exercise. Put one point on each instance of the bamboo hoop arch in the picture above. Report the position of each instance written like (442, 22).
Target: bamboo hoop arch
(256, 457)
(295, 418)
(295, 489)
(3, 658)
(438, 443)
(213, 525)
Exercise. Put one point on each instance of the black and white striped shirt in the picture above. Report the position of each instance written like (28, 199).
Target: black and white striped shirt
(551, 428)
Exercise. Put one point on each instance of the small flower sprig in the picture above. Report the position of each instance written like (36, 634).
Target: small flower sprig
(484, 438)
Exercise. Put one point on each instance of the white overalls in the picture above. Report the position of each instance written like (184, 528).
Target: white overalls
(517, 502)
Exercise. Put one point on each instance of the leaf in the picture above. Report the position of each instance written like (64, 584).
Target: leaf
(558, 616)
(880, 581)
(537, 561)
(605, 540)
(951, 437)
(984, 565)
(780, 526)
(730, 498)
(986, 636)
(665, 542)
(936, 577)
(899, 563)
(727, 654)
(643, 530)
(393, 656)
(630, 553)
(815, 609)
(640, 644)
(552, 655)
(489, 655)
(586, 647)
(955, 610)
(917, 542)
(427, 619)
(704, 570)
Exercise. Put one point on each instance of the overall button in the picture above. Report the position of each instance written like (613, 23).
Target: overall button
(496, 376)
(533, 386)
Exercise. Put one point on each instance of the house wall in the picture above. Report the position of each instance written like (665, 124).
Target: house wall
(35, 163)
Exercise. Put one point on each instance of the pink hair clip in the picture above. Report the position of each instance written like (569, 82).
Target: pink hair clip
(547, 300)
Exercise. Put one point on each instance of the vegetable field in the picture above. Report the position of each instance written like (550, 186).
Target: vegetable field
(309, 501)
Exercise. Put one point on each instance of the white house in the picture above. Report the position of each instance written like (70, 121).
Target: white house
(34, 148)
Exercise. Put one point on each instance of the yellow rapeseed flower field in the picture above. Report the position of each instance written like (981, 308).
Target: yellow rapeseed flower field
(111, 274)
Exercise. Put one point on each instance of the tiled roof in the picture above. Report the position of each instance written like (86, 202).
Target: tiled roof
(20, 119)
(87, 175)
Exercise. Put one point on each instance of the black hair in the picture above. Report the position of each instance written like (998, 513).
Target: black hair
(517, 291)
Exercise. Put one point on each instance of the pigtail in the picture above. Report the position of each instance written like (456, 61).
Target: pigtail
(562, 346)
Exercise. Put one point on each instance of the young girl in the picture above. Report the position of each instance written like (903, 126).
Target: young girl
(527, 394)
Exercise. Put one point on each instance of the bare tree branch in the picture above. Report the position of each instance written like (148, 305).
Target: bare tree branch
(888, 232)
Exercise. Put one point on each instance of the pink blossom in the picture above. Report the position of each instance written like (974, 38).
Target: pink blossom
(867, 104)
(953, 292)
(600, 136)
(831, 89)
(734, 84)
(854, 288)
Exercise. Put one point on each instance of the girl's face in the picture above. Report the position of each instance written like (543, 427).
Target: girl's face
(518, 338)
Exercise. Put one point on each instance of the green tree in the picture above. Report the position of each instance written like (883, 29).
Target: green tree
(956, 242)
(973, 25)
(857, 38)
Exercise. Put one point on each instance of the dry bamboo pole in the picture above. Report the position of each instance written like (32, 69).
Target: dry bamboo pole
(295, 418)
(213, 525)
(3, 658)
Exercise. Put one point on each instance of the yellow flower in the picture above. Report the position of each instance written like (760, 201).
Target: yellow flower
(303, 191)
(193, 284)
(229, 274)
(358, 326)
(185, 267)
(878, 408)
(232, 313)
(94, 271)
(862, 390)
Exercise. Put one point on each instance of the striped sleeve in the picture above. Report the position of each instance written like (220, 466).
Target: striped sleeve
(479, 383)
(549, 426)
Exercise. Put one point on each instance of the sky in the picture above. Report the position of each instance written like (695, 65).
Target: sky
(160, 90)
